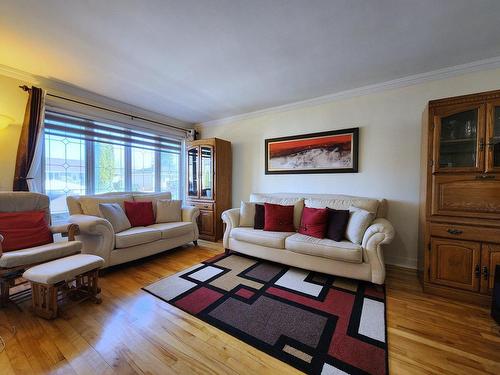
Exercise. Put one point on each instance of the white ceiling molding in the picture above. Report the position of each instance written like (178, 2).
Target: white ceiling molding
(76, 93)
(475, 66)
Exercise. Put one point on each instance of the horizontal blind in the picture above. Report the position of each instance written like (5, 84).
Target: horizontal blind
(65, 125)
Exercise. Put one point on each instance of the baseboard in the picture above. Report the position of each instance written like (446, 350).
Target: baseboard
(402, 262)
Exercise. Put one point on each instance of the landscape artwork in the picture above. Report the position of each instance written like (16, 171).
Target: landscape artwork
(326, 152)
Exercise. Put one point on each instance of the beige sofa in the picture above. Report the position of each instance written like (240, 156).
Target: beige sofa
(98, 237)
(363, 261)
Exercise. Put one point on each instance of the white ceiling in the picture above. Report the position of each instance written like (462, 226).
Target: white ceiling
(200, 60)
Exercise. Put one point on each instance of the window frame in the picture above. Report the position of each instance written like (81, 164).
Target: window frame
(90, 165)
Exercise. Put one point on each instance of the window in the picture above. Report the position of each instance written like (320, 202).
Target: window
(109, 168)
(143, 170)
(90, 157)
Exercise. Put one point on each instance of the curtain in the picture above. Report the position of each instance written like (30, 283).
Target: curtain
(29, 151)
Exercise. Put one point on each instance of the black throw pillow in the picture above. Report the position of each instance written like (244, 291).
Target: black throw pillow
(258, 222)
(337, 224)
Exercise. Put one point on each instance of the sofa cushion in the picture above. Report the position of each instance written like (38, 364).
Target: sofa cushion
(325, 248)
(170, 230)
(22, 230)
(359, 221)
(152, 197)
(314, 222)
(278, 218)
(115, 214)
(168, 211)
(40, 254)
(260, 217)
(298, 204)
(90, 204)
(337, 224)
(140, 214)
(345, 203)
(260, 237)
(136, 236)
(247, 214)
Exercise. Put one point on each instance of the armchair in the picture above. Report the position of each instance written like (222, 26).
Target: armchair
(14, 263)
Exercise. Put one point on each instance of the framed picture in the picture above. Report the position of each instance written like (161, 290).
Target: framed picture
(326, 152)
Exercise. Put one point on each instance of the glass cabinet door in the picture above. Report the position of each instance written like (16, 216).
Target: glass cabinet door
(206, 178)
(459, 140)
(192, 172)
(493, 138)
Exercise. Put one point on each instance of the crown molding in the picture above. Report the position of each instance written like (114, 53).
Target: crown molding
(75, 92)
(475, 66)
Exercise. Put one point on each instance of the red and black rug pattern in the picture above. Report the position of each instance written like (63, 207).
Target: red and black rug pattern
(318, 323)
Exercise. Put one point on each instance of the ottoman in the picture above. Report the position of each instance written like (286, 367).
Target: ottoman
(63, 282)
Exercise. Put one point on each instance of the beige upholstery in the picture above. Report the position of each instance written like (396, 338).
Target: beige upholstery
(360, 271)
(136, 236)
(362, 261)
(325, 248)
(27, 201)
(24, 201)
(64, 269)
(90, 204)
(169, 230)
(297, 202)
(168, 211)
(115, 214)
(152, 197)
(39, 254)
(260, 237)
(98, 237)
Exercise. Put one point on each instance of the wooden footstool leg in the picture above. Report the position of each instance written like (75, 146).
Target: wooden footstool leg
(44, 299)
(4, 292)
(94, 280)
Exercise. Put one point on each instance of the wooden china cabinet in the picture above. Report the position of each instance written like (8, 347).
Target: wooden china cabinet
(208, 186)
(460, 218)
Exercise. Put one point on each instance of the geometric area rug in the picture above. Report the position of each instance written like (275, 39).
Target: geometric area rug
(317, 323)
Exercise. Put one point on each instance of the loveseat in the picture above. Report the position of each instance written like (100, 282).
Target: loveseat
(362, 261)
(99, 238)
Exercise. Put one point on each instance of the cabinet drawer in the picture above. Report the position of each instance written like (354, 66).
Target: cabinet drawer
(468, 195)
(202, 205)
(465, 232)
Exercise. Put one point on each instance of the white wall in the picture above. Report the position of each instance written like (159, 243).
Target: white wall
(389, 164)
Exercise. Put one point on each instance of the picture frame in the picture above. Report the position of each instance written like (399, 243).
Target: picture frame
(333, 151)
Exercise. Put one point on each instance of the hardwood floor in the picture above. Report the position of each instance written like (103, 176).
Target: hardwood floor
(133, 332)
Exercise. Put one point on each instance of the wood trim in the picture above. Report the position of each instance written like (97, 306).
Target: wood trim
(469, 98)
(460, 295)
(489, 133)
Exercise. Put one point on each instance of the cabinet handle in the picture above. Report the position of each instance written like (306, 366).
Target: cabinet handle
(481, 145)
(485, 177)
(491, 143)
(455, 231)
(485, 273)
(477, 271)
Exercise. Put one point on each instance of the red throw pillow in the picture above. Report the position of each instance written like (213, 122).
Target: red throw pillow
(140, 214)
(313, 222)
(278, 218)
(25, 229)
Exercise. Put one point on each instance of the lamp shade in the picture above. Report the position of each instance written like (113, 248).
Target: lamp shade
(5, 121)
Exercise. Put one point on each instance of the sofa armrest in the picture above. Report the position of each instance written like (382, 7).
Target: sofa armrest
(96, 234)
(380, 232)
(190, 214)
(231, 218)
(69, 229)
